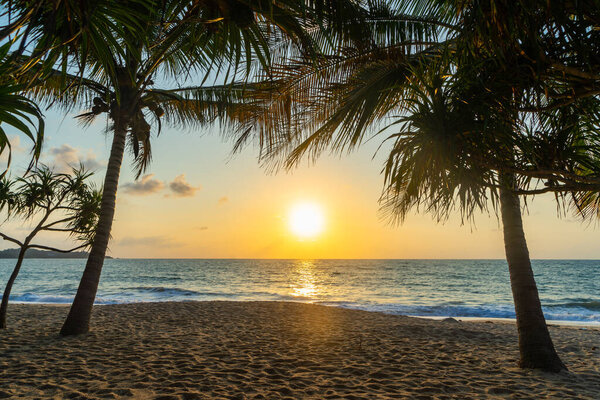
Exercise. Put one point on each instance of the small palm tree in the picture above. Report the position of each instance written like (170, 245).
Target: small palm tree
(58, 202)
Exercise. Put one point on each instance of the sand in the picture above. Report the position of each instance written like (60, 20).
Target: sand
(274, 350)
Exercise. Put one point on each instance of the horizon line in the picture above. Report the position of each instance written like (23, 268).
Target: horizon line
(337, 258)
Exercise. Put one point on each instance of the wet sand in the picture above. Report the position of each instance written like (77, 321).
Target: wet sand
(275, 350)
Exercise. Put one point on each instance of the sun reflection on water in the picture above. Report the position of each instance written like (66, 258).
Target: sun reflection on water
(304, 280)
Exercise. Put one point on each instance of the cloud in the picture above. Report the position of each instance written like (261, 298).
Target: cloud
(66, 156)
(146, 185)
(15, 143)
(223, 200)
(181, 188)
(148, 241)
(16, 148)
(201, 228)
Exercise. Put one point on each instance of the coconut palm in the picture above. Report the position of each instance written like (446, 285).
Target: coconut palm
(443, 157)
(177, 39)
(58, 203)
(42, 34)
(474, 119)
(45, 34)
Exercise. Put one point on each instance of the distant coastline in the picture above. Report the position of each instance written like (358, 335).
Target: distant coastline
(35, 253)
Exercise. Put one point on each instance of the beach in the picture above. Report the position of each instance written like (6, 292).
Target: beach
(279, 350)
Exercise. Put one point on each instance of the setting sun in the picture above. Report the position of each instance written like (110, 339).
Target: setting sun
(306, 220)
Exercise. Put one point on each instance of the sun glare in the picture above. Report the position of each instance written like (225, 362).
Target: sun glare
(306, 220)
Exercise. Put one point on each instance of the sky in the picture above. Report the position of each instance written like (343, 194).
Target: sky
(199, 201)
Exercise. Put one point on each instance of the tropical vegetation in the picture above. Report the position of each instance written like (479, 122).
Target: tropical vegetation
(49, 202)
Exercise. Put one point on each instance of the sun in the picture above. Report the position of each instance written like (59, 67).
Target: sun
(306, 220)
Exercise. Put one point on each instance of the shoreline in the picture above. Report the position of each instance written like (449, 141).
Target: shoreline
(279, 350)
(570, 323)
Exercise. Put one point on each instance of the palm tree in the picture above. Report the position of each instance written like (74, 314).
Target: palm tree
(472, 104)
(177, 38)
(60, 202)
(436, 161)
(39, 35)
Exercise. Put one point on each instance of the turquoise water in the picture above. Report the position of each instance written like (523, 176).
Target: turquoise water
(569, 289)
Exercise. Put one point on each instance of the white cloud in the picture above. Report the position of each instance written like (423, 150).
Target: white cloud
(146, 185)
(181, 188)
(66, 157)
(16, 148)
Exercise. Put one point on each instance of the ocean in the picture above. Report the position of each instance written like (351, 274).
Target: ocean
(569, 289)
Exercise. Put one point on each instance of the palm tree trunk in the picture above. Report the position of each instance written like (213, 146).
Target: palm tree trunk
(8, 288)
(78, 320)
(535, 344)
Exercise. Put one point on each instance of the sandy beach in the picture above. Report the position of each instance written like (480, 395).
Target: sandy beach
(276, 350)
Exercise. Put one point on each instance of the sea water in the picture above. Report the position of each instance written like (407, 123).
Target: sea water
(569, 289)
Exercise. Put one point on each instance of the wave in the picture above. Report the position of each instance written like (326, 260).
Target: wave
(49, 299)
(580, 309)
(593, 305)
(553, 313)
(165, 291)
(157, 292)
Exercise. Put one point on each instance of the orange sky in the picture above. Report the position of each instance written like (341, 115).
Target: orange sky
(197, 201)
